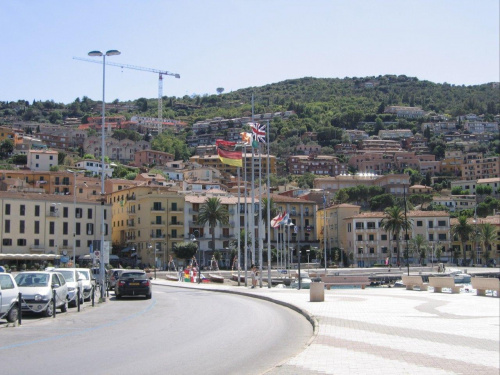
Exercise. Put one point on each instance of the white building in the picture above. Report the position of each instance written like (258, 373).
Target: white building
(95, 166)
(42, 160)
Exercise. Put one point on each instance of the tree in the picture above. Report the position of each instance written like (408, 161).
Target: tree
(394, 222)
(487, 238)
(419, 245)
(463, 231)
(6, 148)
(213, 212)
(185, 250)
(273, 209)
(341, 196)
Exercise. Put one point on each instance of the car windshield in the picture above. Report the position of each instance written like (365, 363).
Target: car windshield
(84, 274)
(135, 275)
(32, 279)
(68, 275)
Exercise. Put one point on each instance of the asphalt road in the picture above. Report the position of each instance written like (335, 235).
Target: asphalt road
(179, 331)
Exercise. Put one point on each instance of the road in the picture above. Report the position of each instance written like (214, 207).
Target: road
(178, 331)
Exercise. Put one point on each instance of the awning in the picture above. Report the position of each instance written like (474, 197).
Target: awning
(29, 256)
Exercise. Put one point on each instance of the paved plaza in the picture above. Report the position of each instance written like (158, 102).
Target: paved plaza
(389, 331)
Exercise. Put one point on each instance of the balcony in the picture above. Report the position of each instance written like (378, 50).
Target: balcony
(158, 209)
(178, 209)
(193, 212)
(157, 223)
(131, 197)
(130, 223)
(177, 223)
(195, 224)
(52, 214)
(155, 236)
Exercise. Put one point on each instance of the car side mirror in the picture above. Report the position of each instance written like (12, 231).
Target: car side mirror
(54, 286)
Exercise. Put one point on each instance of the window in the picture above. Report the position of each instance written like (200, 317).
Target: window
(78, 213)
(383, 237)
(52, 227)
(174, 206)
(360, 225)
(372, 250)
(89, 213)
(158, 220)
(442, 236)
(430, 224)
(431, 236)
(7, 242)
(371, 237)
(7, 226)
(77, 243)
(90, 229)
(6, 282)
(360, 237)
(370, 225)
(7, 209)
(174, 233)
(22, 210)
(37, 210)
(37, 227)
(21, 242)
(78, 228)
(65, 228)
(419, 223)
(65, 211)
(441, 223)
(21, 226)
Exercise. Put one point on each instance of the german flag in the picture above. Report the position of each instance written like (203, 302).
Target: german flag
(227, 153)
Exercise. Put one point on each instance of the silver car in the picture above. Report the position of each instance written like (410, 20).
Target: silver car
(74, 281)
(87, 282)
(8, 297)
(37, 291)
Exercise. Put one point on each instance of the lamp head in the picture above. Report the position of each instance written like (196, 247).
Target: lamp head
(95, 53)
(113, 52)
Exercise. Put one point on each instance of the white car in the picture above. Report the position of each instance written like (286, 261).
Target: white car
(74, 281)
(8, 297)
(87, 283)
(37, 288)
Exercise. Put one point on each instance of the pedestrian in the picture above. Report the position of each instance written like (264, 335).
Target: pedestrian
(181, 272)
(254, 274)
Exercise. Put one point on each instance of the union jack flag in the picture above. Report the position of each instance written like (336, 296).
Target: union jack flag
(258, 131)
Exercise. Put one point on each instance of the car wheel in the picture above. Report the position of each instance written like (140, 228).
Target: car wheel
(118, 296)
(12, 315)
(64, 307)
(48, 311)
(148, 296)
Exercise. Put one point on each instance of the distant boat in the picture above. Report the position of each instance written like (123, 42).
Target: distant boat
(305, 283)
(216, 278)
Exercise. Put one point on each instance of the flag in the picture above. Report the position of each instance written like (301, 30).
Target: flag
(296, 229)
(259, 132)
(225, 145)
(246, 138)
(285, 220)
(275, 222)
(233, 158)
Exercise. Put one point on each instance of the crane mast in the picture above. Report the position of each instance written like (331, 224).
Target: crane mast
(160, 73)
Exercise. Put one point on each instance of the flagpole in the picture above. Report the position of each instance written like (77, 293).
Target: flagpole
(245, 251)
(324, 226)
(268, 229)
(237, 225)
(252, 209)
(260, 221)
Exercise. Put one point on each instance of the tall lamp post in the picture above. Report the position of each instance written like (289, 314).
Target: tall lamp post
(193, 238)
(74, 214)
(112, 52)
(56, 215)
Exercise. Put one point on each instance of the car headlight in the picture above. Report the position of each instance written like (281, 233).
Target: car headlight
(38, 297)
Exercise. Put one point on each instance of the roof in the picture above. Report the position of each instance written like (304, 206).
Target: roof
(285, 199)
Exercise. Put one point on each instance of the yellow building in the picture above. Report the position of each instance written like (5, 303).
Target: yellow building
(336, 228)
(149, 220)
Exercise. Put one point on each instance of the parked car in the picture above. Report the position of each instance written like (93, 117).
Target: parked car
(113, 275)
(87, 282)
(9, 293)
(133, 283)
(73, 280)
(36, 289)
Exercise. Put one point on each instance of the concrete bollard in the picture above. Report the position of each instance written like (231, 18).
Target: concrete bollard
(317, 292)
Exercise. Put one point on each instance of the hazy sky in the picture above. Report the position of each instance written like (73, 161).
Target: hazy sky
(238, 43)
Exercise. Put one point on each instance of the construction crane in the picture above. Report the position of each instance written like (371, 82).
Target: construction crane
(160, 73)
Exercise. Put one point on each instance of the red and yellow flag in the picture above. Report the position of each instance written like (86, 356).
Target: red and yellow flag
(227, 154)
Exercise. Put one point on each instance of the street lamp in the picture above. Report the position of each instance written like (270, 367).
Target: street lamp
(74, 214)
(193, 238)
(112, 52)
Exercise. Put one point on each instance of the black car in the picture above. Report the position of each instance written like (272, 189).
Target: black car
(133, 283)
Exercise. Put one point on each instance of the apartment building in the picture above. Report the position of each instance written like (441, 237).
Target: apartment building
(94, 167)
(336, 227)
(456, 202)
(152, 157)
(476, 166)
(121, 150)
(372, 162)
(317, 164)
(396, 134)
(474, 249)
(392, 183)
(405, 112)
(42, 160)
(371, 245)
(148, 219)
(44, 224)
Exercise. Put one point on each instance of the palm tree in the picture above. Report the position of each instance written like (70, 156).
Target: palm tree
(213, 212)
(419, 245)
(394, 222)
(463, 231)
(273, 209)
(487, 237)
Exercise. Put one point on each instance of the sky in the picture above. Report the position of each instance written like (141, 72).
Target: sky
(237, 44)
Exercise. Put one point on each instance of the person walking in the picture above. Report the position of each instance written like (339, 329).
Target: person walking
(253, 275)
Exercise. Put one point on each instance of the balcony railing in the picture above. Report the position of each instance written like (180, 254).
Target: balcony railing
(178, 209)
(157, 223)
(162, 209)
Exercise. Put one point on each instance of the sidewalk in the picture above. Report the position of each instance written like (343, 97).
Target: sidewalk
(388, 331)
